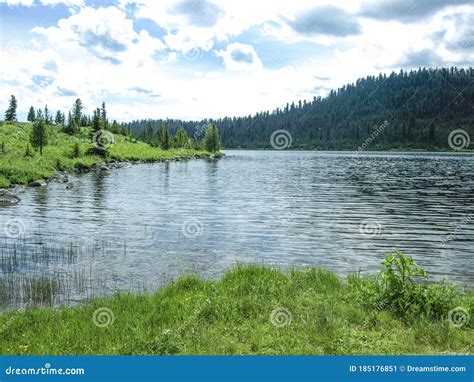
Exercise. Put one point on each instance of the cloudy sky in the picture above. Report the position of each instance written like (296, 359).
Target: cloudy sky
(198, 59)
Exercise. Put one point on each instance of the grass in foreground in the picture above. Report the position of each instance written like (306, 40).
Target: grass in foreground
(258, 310)
(16, 168)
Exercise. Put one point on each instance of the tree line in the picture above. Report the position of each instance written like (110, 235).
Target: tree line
(421, 107)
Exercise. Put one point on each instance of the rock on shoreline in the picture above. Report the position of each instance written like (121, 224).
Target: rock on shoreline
(8, 197)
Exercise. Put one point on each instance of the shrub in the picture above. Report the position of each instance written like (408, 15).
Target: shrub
(398, 291)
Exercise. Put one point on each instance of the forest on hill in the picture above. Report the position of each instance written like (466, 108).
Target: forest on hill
(412, 110)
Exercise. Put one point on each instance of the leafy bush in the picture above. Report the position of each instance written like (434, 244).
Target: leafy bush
(400, 289)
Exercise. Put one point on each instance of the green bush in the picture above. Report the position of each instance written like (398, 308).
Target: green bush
(402, 290)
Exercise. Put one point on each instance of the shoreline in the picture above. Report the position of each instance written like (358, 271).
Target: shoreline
(9, 195)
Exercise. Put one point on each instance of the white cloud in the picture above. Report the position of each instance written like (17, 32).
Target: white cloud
(69, 3)
(240, 57)
(26, 3)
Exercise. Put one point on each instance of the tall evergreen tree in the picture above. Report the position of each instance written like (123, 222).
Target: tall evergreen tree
(47, 116)
(77, 111)
(59, 118)
(10, 114)
(31, 114)
(103, 117)
(212, 140)
(181, 139)
(164, 138)
(39, 137)
(96, 121)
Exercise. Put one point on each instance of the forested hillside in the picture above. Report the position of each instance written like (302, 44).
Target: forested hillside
(421, 108)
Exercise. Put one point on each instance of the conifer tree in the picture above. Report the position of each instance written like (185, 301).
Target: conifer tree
(212, 140)
(46, 114)
(70, 127)
(103, 117)
(77, 112)
(10, 114)
(31, 114)
(164, 137)
(181, 139)
(38, 136)
(59, 118)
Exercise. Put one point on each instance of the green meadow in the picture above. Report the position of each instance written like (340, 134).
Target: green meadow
(21, 164)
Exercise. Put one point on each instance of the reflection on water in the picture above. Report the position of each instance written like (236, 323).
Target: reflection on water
(285, 209)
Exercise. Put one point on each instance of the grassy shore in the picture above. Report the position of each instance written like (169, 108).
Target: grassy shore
(255, 310)
(16, 168)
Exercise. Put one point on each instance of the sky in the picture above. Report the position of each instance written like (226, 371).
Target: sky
(207, 59)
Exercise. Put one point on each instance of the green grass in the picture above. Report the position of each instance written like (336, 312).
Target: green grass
(16, 168)
(329, 315)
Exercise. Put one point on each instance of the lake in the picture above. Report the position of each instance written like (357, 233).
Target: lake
(140, 226)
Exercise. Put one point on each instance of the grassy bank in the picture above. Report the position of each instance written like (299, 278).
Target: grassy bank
(18, 168)
(258, 310)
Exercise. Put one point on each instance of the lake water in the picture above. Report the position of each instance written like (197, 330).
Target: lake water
(148, 223)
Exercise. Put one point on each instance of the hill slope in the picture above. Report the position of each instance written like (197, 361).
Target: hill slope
(18, 168)
(421, 107)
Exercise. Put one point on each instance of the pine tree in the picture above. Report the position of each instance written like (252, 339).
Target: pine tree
(96, 121)
(31, 114)
(77, 112)
(115, 127)
(70, 127)
(39, 137)
(212, 140)
(103, 117)
(181, 139)
(46, 115)
(10, 114)
(164, 137)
